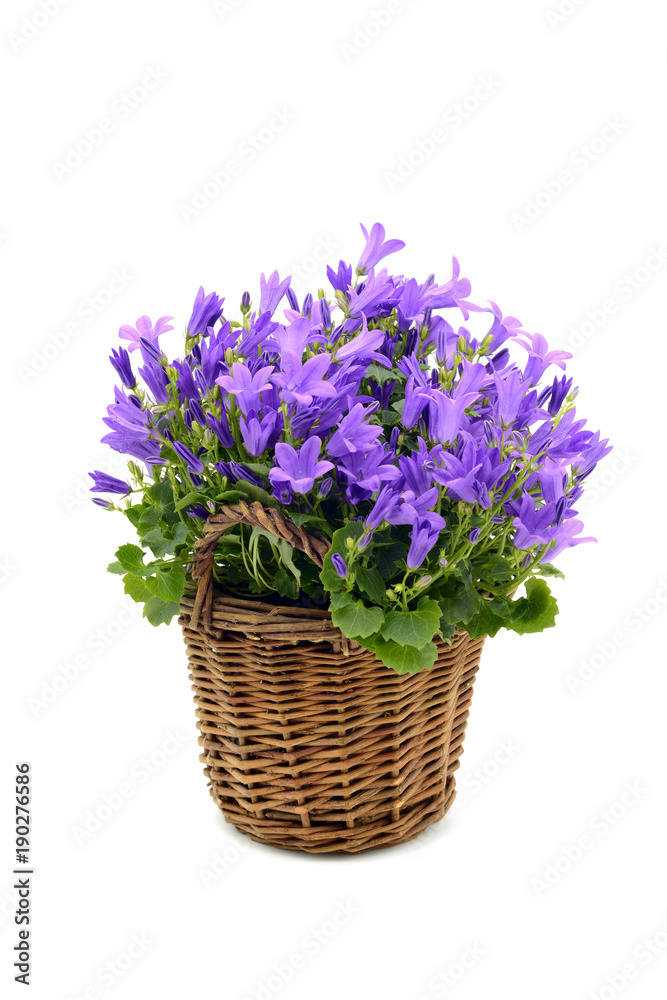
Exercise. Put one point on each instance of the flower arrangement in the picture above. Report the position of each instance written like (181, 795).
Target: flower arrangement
(443, 467)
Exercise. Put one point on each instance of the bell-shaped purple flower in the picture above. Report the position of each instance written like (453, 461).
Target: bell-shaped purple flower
(376, 248)
(353, 434)
(247, 387)
(299, 468)
(120, 359)
(271, 292)
(422, 539)
(104, 483)
(339, 565)
(207, 309)
(144, 328)
(193, 463)
(259, 435)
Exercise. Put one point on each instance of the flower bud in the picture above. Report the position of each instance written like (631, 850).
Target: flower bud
(324, 488)
(325, 312)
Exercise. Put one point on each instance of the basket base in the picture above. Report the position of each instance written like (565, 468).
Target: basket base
(380, 836)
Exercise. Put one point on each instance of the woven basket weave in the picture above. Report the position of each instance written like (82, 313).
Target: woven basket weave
(309, 743)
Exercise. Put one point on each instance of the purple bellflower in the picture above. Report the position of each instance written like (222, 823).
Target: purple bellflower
(299, 468)
(144, 328)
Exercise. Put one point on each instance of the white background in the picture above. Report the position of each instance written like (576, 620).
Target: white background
(359, 98)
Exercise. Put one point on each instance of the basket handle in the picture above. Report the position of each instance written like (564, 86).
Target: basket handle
(245, 513)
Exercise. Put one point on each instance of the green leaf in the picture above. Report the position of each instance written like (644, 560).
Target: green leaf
(446, 631)
(484, 622)
(261, 468)
(168, 583)
(131, 558)
(150, 519)
(180, 533)
(382, 375)
(191, 498)
(369, 580)
(388, 558)
(136, 588)
(158, 542)
(316, 523)
(403, 659)
(255, 493)
(158, 611)
(329, 576)
(161, 495)
(286, 584)
(164, 543)
(536, 611)
(386, 417)
(353, 617)
(458, 603)
(134, 514)
(230, 496)
(494, 569)
(548, 569)
(413, 628)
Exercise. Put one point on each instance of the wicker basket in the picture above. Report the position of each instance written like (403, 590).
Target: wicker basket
(309, 743)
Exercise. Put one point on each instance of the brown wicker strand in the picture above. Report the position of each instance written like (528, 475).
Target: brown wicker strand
(245, 513)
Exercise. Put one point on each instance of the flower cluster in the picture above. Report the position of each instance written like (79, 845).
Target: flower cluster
(444, 465)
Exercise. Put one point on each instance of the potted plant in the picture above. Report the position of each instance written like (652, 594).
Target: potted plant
(342, 501)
